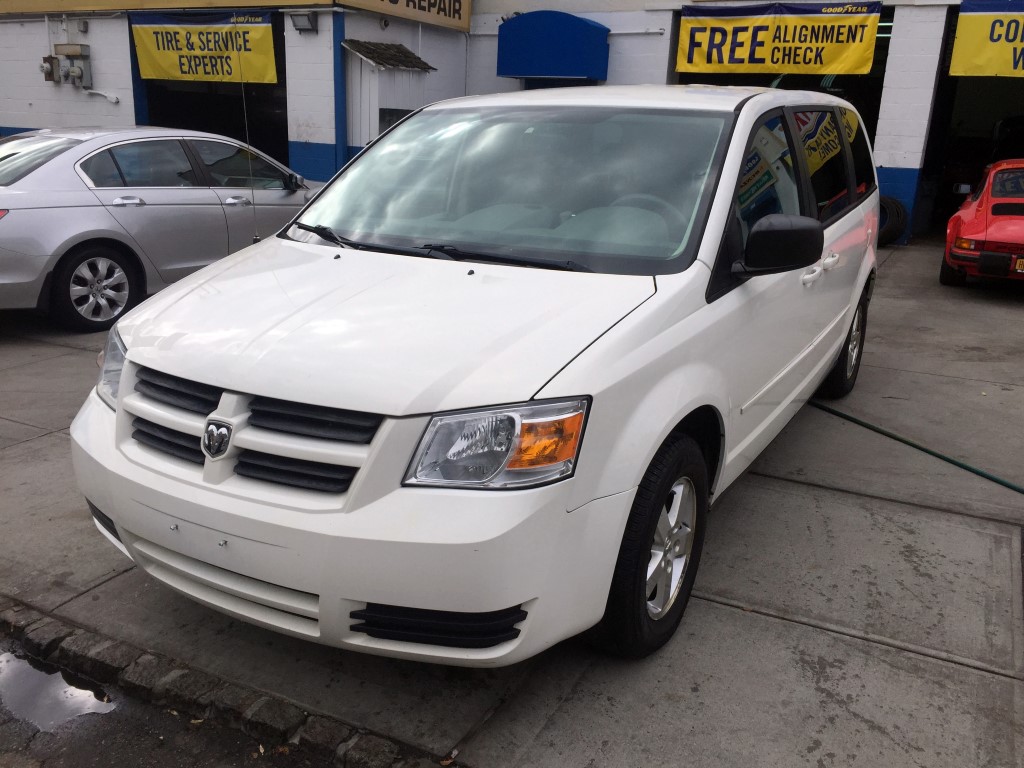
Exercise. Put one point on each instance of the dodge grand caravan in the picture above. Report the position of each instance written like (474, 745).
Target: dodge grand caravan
(478, 396)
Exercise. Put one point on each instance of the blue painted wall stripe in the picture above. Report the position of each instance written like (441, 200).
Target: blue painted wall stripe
(902, 184)
(311, 159)
(138, 87)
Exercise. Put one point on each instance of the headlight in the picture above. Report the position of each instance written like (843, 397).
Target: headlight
(510, 447)
(110, 361)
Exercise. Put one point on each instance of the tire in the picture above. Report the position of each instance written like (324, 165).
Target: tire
(894, 218)
(93, 287)
(638, 621)
(840, 380)
(949, 275)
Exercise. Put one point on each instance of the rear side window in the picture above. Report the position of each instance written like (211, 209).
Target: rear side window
(863, 165)
(232, 166)
(160, 163)
(102, 171)
(20, 155)
(1008, 183)
(823, 150)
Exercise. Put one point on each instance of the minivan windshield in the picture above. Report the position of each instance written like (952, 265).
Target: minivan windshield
(608, 189)
(20, 155)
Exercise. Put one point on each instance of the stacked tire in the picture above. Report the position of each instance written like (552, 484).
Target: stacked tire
(893, 220)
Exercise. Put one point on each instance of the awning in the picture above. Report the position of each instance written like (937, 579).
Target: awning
(387, 55)
(553, 44)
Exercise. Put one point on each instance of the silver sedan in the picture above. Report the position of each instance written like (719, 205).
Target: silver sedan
(91, 221)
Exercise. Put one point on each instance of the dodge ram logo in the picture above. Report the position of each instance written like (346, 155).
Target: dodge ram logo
(216, 439)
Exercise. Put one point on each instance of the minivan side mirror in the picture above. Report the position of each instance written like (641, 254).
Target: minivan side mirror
(781, 242)
(962, 189)
(295, 182)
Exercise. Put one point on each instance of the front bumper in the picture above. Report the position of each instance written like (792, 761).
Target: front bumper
(305, 571)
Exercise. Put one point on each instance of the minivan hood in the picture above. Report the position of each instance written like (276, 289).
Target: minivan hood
(376, 332)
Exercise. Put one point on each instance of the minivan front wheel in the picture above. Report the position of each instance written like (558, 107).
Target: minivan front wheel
(659, 554)
(93, 287)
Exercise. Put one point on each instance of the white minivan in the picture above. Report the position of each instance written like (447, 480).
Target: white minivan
(479, 395)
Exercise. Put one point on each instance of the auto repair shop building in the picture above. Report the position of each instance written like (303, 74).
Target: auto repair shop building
(940, 86)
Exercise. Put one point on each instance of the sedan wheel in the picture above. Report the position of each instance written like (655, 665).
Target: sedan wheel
(93, 288)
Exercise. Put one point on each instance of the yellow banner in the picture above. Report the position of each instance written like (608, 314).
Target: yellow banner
(805, 38)
(233, 48)
(989, 39)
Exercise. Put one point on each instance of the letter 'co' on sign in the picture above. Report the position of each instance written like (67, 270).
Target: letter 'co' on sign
(233, 47)
(805, 38)
(989, 39)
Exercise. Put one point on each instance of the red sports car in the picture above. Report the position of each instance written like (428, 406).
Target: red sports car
(986, 236)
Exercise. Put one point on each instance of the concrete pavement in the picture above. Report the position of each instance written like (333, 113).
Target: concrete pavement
(860, 603)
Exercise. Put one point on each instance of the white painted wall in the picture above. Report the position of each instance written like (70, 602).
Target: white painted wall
(309, 68)
(369, 89)
(28, 101)
(908, 89)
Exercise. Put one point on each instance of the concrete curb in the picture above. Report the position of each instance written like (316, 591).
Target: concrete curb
(166, 682)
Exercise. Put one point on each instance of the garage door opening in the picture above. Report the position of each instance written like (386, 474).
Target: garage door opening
(975, 121)
(218, 107)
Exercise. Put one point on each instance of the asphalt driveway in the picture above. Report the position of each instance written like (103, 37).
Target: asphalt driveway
(860, 602)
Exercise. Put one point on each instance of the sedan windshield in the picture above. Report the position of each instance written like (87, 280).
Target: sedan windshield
(20, 155)
(609, 189)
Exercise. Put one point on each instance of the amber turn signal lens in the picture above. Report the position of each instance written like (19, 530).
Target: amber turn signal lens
(965, 244)
(542, 443)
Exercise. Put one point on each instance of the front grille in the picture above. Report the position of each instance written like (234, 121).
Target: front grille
(453, 629)
(167, 440)
(313, 420)
(312, 475)
(181, 393)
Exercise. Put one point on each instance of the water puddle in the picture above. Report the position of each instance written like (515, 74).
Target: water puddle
(46, 696)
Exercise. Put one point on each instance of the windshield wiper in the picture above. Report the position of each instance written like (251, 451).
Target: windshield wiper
(325, 232)
(458, 254)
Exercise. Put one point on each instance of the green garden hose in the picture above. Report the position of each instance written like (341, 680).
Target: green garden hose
(918, 446)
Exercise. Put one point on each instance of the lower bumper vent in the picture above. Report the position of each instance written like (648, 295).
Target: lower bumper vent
(103, 520)
(453, 629)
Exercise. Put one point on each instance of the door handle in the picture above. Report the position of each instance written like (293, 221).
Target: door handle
(240, 200)
(830, 261)
(809, 277)
(124, 202)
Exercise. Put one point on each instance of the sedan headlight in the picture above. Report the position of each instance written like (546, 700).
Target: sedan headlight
(110, 361)
(513, 446)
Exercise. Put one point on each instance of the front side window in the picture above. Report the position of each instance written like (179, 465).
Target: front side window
(768, 181)
(823, 152)
(1009, 183)
(161, 163)
(611, 189)
(20, 155)
(230, 165)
